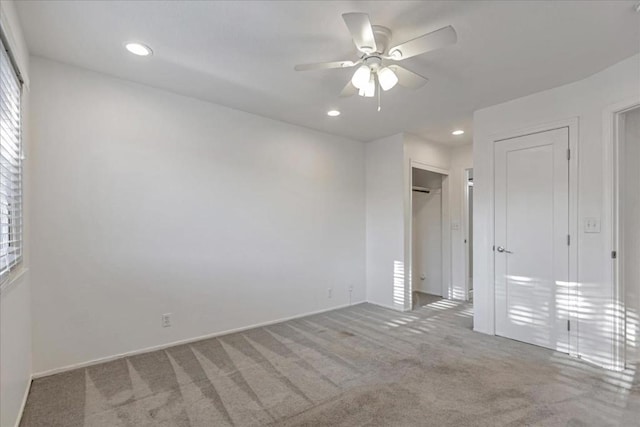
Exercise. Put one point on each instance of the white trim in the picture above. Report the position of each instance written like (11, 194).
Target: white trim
(466, 220)
(573, 124)
(397, 308)
(610, 200)
(424, 166)
(543, 127)
(447, 282)
(23, 405)
(180, 342)
(574, 224)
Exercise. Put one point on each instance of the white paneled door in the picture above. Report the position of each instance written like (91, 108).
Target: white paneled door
(532, 238)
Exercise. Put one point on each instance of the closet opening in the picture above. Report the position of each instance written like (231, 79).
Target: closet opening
(427, 236)
(468, 231)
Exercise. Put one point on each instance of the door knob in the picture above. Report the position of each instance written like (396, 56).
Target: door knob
(501, 249)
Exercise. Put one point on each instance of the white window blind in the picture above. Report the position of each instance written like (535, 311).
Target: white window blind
(10, 166)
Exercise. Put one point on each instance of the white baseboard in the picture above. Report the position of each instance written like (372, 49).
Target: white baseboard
(24, 402)
(390, 307)
(180, 342)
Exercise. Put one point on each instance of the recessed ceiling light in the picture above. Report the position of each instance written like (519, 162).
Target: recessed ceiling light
(333, 113)
(138, 49)
(457, 132)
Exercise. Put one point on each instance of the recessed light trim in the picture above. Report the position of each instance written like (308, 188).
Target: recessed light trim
(138, 49)
(333, 113)
(457, 132)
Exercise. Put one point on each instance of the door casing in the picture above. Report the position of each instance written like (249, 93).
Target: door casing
(611, 201)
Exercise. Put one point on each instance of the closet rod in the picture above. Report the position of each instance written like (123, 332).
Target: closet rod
(421, 189)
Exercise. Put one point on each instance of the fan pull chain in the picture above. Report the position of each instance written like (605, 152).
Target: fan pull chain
(379, 90)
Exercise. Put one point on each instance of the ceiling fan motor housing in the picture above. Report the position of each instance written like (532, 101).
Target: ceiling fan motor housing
(382, 35)
(373, 61)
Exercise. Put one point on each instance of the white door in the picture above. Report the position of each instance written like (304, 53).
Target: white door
(531, 238)
(427, 242)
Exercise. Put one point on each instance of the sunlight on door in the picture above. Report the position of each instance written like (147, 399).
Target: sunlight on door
(531, 238)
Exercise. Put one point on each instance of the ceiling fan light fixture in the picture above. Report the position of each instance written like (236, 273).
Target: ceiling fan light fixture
(370, 89)
(387, 78)
(361, 77)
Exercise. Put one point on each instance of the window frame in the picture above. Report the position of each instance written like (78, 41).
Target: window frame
(13, 217)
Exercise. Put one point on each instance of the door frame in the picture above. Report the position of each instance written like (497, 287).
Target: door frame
(611, 202)
(446, 238)
(572, 124)
(468, 249)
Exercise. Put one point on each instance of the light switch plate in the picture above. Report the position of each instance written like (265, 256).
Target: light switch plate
(592, 225)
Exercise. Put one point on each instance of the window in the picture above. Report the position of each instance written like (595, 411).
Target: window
(10, 166)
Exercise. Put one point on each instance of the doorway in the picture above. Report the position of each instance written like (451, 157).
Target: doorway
(628, 218)
(468, 231)
(532, 238)
(427, 234)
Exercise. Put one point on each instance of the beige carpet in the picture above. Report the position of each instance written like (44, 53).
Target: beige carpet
(362, 365)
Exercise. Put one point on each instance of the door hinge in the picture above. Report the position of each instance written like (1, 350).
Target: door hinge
(568, 325)
(614, 254)
(568, 240)
(568, 153)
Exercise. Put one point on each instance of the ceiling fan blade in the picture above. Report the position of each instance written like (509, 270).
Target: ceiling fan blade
(349, 90)
(361, 31)
(407, 78)
(325, 65)
(435, 40)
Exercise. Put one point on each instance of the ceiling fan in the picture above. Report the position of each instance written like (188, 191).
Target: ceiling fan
(378, 68)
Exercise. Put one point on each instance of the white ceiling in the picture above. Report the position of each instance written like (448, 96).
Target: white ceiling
(241, 54)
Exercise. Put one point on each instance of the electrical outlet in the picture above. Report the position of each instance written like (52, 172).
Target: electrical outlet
(329, 292)
(166, 320)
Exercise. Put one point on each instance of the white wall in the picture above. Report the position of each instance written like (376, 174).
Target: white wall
(426, 269)
(385, 222)
(146, 202)
(15, 293)
(15, 348)
(426, 152)
(585, 100)
(426, 179)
